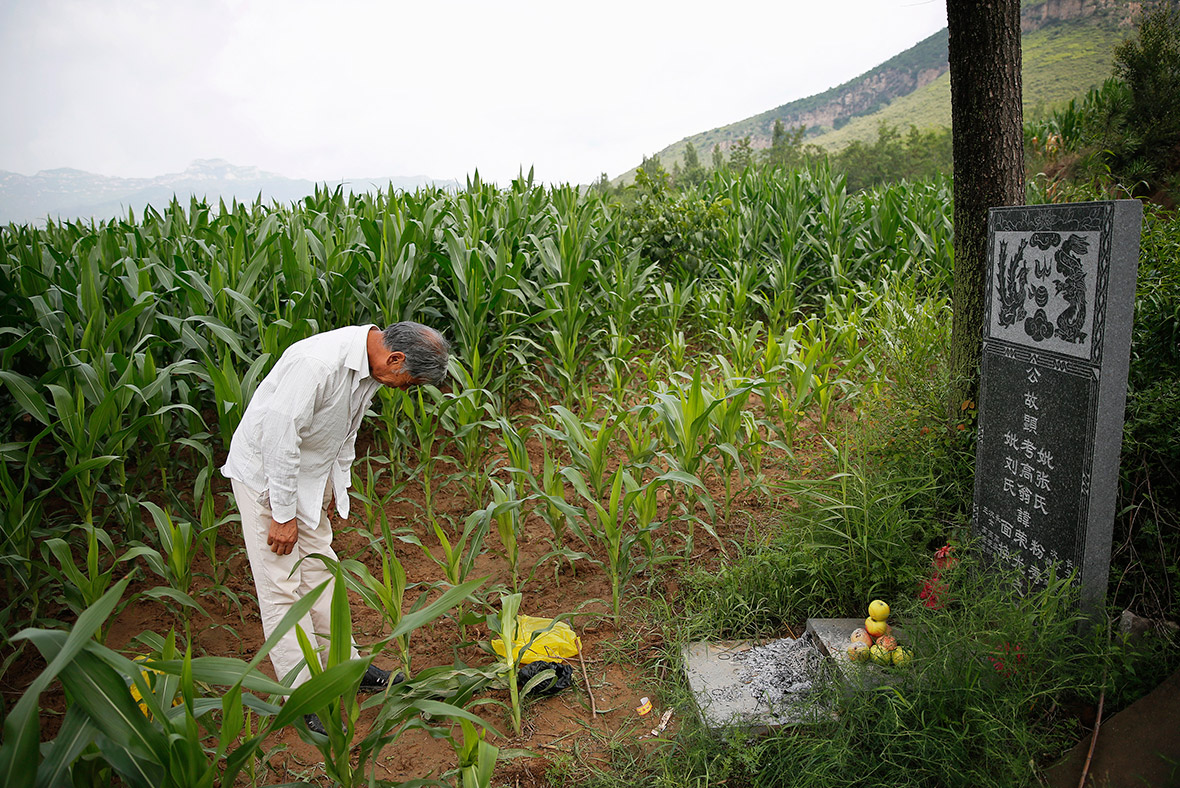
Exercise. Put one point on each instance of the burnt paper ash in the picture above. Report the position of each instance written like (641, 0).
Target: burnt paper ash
(781, 672)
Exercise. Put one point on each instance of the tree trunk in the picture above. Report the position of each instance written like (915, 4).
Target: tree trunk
(988, 137)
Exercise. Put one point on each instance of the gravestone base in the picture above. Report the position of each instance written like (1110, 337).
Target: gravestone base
(831, 636)
(765, 686)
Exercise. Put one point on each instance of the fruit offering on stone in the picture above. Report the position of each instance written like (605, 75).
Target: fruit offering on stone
(879, 655)
(887, 642)
(858, 651)
(878, 610)
(901, 657)
(876, 628)
(860, 635)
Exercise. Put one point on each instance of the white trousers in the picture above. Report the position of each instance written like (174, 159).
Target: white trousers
(278, 588)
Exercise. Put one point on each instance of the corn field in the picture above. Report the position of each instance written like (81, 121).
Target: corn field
(688, 335)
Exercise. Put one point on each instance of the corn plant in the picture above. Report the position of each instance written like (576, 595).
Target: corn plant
(424, 408)
(21, 511)
(83, 586)
(504, 624)
(174, 563)
(683, 412)
(468, 414)
(387, 595)
(390, 432)
(552, 490)
(479, 283)
(519, 465)
(458, 556)
(616, 360)
(365, 488)
(164, 746)
(671, 302)
(729, 430)
(565, 261)
(611, 523)
(742, 350)
(338, 712)
(587, 443)
(505, 510)
(627, 286)
(476, 755)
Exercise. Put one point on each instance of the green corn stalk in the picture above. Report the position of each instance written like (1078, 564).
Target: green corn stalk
(616, 360)
(565, 262)
(424, 408)
(743, 351)
(677, 350)
(468, 415)
(82, 586)
(727, 420)
(174, 562)
(609, 526)
(552, 488)
(390, 431)
(588, 444)
(505, 511)
(387, 595)
(153, 749)
(505, 624)
(683, 411)
(477, 756)
(459, 556)
(338, 712)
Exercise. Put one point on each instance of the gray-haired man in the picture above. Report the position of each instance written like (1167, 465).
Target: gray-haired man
(292, 454)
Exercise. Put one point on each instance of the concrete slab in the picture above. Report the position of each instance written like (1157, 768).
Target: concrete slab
(831, 637)
(727, 682)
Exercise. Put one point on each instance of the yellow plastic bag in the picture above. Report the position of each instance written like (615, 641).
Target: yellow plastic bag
(558, 643)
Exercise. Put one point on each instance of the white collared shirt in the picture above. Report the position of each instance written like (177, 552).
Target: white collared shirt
(299, 430)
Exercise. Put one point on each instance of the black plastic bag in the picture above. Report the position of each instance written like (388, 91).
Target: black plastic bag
(563, 679)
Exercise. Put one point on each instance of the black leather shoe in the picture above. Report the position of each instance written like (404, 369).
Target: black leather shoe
(314, 725)
(377, 680)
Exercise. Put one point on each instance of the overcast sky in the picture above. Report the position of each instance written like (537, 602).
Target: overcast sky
(354, 88)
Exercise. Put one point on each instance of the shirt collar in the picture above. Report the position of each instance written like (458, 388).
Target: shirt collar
(358, 355)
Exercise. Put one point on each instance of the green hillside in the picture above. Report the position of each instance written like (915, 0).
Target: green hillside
(1063, 57)
(1060, 62)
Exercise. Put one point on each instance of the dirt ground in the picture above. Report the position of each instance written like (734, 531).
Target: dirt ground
(562, 731)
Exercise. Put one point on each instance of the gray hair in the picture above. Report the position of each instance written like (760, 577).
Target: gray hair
(427, 351)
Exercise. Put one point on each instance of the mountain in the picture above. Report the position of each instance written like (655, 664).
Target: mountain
(73, 194)
(1066, 49)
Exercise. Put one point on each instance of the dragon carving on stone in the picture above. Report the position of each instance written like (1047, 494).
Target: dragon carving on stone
(1072, 288)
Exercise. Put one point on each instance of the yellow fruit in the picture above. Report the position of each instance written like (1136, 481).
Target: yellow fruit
(901, 657)
(878, 610)
(874, 627)
(880, 655)
(859, 635)
(858, 652)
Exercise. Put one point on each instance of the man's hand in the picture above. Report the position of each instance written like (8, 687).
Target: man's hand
(283, 536)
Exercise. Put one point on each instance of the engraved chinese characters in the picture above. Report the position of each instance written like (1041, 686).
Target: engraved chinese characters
(1056, 345)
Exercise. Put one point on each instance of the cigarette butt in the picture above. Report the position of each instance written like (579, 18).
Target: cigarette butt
(644, 707)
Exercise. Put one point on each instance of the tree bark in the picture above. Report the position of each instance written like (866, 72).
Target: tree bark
(987, 126)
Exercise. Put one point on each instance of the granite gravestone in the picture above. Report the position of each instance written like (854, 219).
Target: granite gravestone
(1056, 349)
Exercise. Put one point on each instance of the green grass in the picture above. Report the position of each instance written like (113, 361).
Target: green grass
(1059, 63)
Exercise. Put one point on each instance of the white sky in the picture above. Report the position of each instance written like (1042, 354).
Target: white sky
(356, 88)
